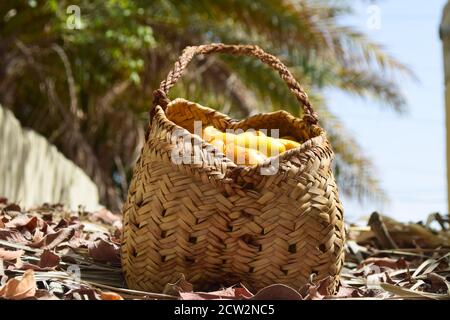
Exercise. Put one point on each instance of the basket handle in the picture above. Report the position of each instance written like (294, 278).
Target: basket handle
(160, 95)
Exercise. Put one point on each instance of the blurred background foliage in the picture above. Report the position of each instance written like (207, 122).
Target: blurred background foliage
(89, 89)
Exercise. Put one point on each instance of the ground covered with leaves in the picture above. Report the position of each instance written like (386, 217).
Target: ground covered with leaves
(53, 253)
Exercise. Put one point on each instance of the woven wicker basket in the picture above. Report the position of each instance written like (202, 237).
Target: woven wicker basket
(220, 224)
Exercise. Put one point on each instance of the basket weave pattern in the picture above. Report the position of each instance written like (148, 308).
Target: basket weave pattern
(218, 223)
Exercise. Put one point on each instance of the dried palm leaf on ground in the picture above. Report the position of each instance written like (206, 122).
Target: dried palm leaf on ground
(407, 235)
(52, 253)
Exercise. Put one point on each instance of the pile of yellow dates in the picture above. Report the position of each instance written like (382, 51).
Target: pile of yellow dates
(247, 148)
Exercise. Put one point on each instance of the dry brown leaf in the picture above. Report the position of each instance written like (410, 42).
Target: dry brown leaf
(18, 289)
(346, 292)
(243, 292)
(10, 255)
(106, 216)
(317, 290)
(12, 207)
(45, 295)
(181, 285)
(197, 296)
(277, 292)
(390, 263)
(23, 222)
(105, 251)
(46, 228)
(230, 293)
(13, 236)
(223, 294)
(438, 283)
(49, 259)
(76, 243)
(38, 236)
(110, 296)
(83, 294)
(204, 296)
(52, 240)
(63, 223)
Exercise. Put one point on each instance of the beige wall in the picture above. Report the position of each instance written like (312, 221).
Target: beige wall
(32, 171)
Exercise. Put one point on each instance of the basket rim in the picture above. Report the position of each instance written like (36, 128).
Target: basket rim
(226, 166)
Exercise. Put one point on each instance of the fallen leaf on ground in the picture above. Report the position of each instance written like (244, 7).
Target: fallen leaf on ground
(230, 293)
(13, 207)
(366, 273)
(52, 240)
(317, 290)
(23, 222)
(76, 243)
(345, 292)
(438, 283)
(110, 296)
(386, 262)
(45, 295)
(181, 285)
(63, 223)
(202, 296)
(18, 289)
(49, 259)
(277, 292)
(83, 294)
(13, 236)
(243, 292)
(104, 251)
(106, 216)
(38, 236)
(10, 255)
(46, 228)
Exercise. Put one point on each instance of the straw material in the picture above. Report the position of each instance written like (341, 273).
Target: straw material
(220, 224)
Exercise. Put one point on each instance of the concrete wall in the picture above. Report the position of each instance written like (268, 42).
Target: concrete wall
(32, 171)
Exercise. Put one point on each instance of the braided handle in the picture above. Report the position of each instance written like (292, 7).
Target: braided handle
(160, 95)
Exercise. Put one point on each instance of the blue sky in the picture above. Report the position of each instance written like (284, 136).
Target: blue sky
(408, 150)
